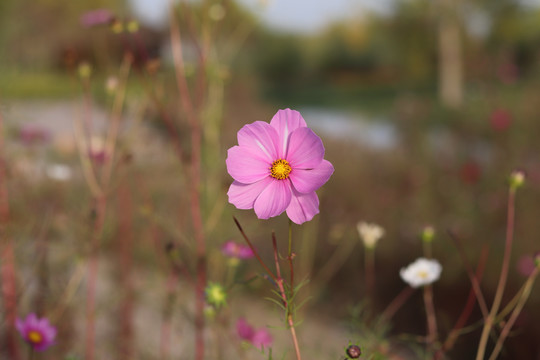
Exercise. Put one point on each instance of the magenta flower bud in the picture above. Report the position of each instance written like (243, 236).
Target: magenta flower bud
(236, 250)
(38, 333)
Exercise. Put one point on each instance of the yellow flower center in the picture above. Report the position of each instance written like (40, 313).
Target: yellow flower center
(35, 337)
(422, 274)
(280, 169)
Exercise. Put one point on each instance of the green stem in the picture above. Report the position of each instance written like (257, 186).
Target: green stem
(369, 255)
(290, 258)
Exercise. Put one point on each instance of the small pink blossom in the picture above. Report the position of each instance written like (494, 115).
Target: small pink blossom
(38, 333)
(236, 250)
(259, 338)
(500, 120)
(31, 134)
(508, 72)
(97, 17)
(278, 167)
(526, 265)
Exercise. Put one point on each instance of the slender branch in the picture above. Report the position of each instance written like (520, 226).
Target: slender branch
(474, 280)
(430, 314)
(116, 116)
(195, 181)
(268, 271)
(517, 310)
(290, 257)
(7, 259)
(97, 231)
(467, 310)
(288, 313)
(397, 303)
(503, 276)
(369, 257)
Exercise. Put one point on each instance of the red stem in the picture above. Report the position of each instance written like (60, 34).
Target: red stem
(125, 237)
(268, 271)
(467, 310)
(99, 208)
(195, 174)
(397, 303)
(7, 259)
(284, 297)
(489, 322)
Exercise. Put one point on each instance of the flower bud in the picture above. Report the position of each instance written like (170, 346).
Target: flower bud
(517, 178)
(85, 70)
(216, 295)
(132, 26)
(428, 233)
(354, 351)
(537, 259)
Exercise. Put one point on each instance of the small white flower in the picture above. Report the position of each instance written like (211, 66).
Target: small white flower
(369, 233)
(421, 272)
(58, 172)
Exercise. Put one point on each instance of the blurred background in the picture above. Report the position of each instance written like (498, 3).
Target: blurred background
(425, 107)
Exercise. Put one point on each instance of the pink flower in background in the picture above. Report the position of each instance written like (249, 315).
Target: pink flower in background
(33, 134)
(236, 250)
(525, 265)
(97, 17)
(260, 338)
(278, 167)
(500, 119)
(508, 72)
(36, 332)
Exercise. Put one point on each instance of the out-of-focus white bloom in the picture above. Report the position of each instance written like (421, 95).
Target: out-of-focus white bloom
(421, 272)
(369, 233)
(58, 172)
(216, 12)
(111, 84)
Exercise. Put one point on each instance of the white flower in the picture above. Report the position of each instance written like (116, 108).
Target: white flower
(58, 172)
(421, 272)
(369, 233)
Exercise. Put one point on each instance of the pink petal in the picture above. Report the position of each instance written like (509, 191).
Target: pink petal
(244, 330)
(261, 139)
(285, 122)
(262, 339)
(273, 200)
(32, 320)
(305, 150)
(21, 326)
(245, 166)
(243, 196)
(303, 207)
(307, 181)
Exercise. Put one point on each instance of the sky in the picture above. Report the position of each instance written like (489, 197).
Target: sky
(298, 16)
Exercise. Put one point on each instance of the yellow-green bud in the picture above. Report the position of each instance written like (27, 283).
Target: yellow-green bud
(85, 70)
(517, 179)
(216, 295)
(428, 233)
(132, 26)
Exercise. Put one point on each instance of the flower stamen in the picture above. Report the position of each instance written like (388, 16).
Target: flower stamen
(280, 169)
(35, 337)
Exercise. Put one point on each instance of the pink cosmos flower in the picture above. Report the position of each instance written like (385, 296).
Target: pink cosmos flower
(97, 17)
(236, 250)
(260, 338)
(278, 167)
(39, 333)
(500, 119)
